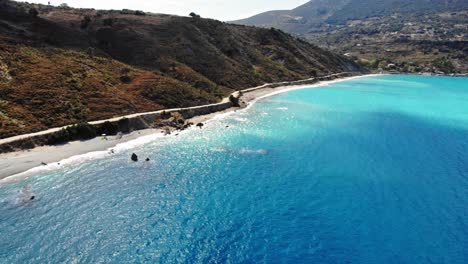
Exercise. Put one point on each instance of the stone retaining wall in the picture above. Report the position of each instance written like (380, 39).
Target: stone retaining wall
(124, 124)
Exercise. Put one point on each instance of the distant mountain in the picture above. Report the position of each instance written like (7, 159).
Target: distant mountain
(297, 20)
(61, 66)
(317, 12)
(414, 35)
(363, 9)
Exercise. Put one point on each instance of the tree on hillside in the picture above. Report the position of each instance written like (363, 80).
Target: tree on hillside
(193, 15)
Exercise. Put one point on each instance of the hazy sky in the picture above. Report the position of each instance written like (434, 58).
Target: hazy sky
(218, 9)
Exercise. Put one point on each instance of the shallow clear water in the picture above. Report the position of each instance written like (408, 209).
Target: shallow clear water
(372, 170)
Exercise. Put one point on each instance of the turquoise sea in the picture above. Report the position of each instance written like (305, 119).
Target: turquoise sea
(372, 170)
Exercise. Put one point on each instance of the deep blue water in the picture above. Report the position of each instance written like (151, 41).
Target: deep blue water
(372, 170)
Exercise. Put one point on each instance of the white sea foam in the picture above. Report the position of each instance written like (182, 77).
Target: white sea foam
(78, 159)
(255, 151)
(20, 198)
(223, 150)
(241, 151)
(137, 142)
(240, 119)
(243, 111)
(220, 116)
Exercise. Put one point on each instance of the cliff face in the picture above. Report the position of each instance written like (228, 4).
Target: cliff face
(65, 65)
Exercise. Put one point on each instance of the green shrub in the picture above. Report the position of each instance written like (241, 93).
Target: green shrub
(82, 131)
(124, 125)
(108, 128)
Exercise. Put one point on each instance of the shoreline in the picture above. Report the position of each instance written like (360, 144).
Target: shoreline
(25, 163)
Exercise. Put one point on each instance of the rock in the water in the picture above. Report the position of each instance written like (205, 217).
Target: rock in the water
(134, 157)
(147, 159)
(200, 125)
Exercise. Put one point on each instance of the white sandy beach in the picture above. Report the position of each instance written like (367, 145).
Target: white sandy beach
(26, 163)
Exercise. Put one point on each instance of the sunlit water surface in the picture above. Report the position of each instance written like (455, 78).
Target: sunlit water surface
(373, 170)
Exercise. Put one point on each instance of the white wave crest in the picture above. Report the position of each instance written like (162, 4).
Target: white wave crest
(250, 151)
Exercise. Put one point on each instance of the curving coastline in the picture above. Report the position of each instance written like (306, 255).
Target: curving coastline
(139, 121)
(139, 127)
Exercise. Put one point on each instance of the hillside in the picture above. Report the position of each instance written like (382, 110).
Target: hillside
(60, 66)
(298, 20)
(359, 10)
(414, 35)
(335, 12)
